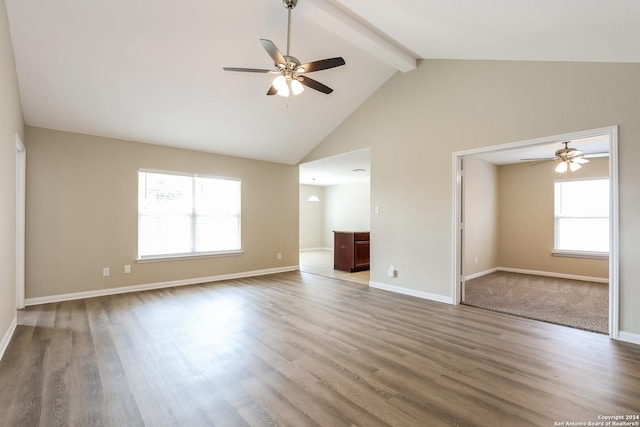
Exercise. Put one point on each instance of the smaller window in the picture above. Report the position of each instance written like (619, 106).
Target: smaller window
(582, 216)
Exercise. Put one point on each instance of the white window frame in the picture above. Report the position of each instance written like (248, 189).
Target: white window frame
(193, 253)
(556, 218)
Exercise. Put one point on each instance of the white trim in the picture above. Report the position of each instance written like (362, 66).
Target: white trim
(480, 274)
(21, 192)
(553, 274)
(629, 337)
(579, 254)
(458, 225)
(612, 132)
(614, 233)
(411, 292)
(7, 337)
(159, 285)
(189, 255)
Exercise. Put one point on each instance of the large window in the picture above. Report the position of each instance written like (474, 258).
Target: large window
(181, 215)
(582, 216)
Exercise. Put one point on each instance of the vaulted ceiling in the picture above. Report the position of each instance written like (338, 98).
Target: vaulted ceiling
(151, 70)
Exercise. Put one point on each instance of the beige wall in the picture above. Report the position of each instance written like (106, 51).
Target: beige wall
(481, 216)
(343, 207)
(417, 120)
(346, 208)
(311, 217)
(82, 213)
(526, 219)
(11, 123)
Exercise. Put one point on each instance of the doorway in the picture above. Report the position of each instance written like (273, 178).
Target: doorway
(523, 150)
(334, 196)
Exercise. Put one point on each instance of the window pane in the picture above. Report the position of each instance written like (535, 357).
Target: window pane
(217, 233)
(217, 197)
(164, 235)
(583, 234)
(166, 194)
(582, 198)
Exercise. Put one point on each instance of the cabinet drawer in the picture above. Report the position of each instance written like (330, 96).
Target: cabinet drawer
(361, 237)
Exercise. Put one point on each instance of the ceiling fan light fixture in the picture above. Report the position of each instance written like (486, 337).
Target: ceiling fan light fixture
(296, 87)
(562, 167)
(574, 166)
(280, 83)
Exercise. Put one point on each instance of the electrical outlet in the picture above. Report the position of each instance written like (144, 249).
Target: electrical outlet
(127, 269)
(106, 272)
(279, 255)
(392, 271)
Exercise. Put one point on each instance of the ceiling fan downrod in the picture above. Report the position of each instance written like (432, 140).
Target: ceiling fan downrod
(289, 5)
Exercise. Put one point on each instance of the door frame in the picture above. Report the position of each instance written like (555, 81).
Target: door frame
(21, 181)
(458, 209)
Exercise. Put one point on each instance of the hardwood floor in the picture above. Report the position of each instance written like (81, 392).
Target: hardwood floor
(304, 350)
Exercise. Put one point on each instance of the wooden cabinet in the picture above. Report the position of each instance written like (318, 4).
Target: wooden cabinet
(350, 250)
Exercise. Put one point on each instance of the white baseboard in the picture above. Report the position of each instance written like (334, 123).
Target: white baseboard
(412, 292)
(7, 337)
(151, 286)
(316, 249)
(539, 273)
(480, 274)
(558, 275)
(629, 337)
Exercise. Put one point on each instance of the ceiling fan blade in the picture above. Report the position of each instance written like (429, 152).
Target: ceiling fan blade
(595, 155)
(272, 90)
(313, 84)
(323, 64)
(580, 160)
(539, 162)
(247, 70)
(273, 52)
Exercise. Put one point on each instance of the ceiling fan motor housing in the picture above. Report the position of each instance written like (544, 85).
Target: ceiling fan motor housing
(289, 4)
(567, 153)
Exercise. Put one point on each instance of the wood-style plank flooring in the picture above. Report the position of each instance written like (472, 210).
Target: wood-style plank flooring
(304, 350)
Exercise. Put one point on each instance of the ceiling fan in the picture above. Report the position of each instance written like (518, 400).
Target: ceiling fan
(570, 159)
(291, 76)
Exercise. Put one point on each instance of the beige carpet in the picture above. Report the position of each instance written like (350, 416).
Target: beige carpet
(574, 303)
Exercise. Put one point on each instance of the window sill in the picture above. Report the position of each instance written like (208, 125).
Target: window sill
(580, 254)
(176, 257)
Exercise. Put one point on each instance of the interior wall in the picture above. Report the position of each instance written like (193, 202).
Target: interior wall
(417, 120)
(82, 213)
(311, 217)
(481, 216)
(526, 231)
(11, 123)
(346, 208)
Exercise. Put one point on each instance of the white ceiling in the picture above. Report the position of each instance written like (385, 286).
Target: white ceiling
(151, 70)
(354, 166)
(590, 146)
